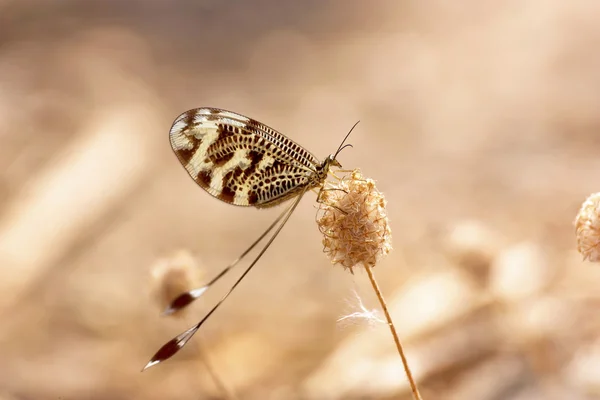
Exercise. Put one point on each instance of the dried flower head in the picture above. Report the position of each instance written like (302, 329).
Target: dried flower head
(173, 276)
(587, 225)
(352, 218)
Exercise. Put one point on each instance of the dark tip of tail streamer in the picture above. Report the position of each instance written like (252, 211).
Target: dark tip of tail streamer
(164, 353)
(180, 302)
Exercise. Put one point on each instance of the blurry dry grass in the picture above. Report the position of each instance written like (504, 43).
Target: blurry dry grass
(479, 121)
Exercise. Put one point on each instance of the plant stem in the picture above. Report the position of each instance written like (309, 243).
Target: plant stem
(227, 393)
(413, 385)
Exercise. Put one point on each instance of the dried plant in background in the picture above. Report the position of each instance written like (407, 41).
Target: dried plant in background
(587, 225)
(173, 275)
(353, 220)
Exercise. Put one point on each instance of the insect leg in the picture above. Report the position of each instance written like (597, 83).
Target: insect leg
(321, 201)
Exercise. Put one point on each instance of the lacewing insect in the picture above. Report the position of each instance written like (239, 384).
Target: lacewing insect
(245, 163)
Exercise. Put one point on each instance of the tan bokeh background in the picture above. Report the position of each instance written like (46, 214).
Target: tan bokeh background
(479, 120)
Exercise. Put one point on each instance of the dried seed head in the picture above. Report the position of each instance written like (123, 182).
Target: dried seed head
(587, 225)
(353, 221)
(173, 276)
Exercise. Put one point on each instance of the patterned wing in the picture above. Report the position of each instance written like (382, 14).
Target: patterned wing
(239, 160)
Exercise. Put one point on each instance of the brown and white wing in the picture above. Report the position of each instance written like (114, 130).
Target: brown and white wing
(239, 160)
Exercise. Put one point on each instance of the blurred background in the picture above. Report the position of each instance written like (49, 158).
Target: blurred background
(479, 122)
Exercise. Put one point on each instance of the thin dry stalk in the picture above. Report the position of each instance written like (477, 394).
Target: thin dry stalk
(356, 232)
(388, 317)
(225, 390)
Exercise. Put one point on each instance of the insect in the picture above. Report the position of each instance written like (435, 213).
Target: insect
(245, 163)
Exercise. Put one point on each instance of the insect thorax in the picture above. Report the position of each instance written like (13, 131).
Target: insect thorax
(325, 167)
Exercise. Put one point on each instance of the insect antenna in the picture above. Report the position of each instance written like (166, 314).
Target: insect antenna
(170, 348)
(342, 146)
(185, 298)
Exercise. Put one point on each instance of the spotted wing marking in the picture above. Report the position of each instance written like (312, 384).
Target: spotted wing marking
(239, 160)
